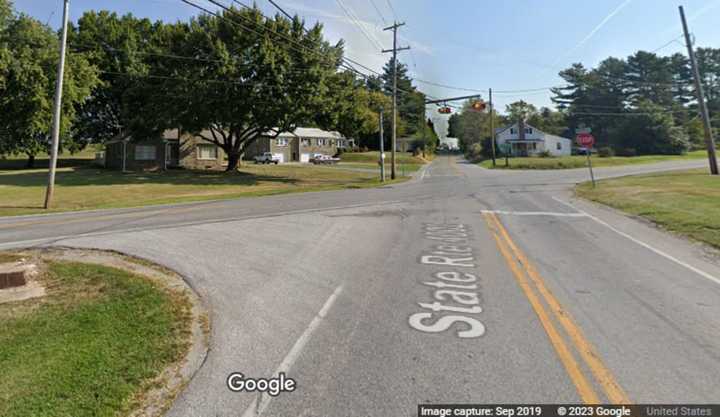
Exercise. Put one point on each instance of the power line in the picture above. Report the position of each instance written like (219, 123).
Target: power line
(356, 21)
(392, 9)
(378, 12)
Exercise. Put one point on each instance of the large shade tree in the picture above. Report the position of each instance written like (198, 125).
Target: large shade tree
(251, 76)
(29, 53)
(119, 47)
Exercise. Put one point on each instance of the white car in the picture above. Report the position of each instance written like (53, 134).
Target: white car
(267, 158)
(320, 159)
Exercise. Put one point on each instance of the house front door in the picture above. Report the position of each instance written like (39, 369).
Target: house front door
(172, 155)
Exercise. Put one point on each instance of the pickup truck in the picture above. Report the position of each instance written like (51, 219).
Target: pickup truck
(319, 159)
(267, 158)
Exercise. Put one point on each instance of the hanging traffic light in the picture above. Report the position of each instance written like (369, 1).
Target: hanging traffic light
(445, 110)
(478, 105)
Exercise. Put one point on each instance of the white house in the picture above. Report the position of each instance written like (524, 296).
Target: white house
(531, 142)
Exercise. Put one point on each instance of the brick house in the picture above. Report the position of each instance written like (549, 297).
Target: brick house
(175, 149)
(171, 150)
(299, 145)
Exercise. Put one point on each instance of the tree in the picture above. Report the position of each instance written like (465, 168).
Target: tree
(649, 78)
(520, 110)
(357, 109)
(410, 101)
(118, 46)
(651, 131)
(253, 77)
(549, 121)
(28, 86)
(454, 125)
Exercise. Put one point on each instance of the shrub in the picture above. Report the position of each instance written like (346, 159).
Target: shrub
(545, 154)
(474, 153)
(626, 152)
(606, 152)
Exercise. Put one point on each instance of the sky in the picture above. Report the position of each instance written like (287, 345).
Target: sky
(469, 45)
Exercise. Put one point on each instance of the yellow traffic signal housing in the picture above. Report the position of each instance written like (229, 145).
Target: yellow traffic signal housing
(478, 105)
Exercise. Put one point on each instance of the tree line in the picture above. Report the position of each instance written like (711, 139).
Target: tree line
(228, 77)
(644, 104)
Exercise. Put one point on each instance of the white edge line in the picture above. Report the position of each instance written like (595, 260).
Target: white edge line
(534, 213)
(258, 406)
(20, 243)
(643, 244)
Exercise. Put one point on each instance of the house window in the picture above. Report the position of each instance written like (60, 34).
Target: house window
(145, 153)
(207, 152)
(512, 131)
(558, 145)
(322, 142)
(282, 141)
(534, 146)
(528, 130)
(306, 142)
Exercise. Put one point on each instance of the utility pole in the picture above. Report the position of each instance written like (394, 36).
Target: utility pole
(382, 148)
(394, 51)
(709, 141)
(492, 126)
(57, 111)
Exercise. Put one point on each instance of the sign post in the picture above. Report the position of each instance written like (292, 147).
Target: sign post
(586, 140)
(505, 149)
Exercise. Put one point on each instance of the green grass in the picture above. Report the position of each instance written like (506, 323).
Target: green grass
(401, 167)
(373, 157)
(91, 347)
(579, 161)
(686, 202)
(22, 191)
(65, 160)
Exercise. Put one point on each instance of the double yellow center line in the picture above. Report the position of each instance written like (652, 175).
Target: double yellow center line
(532, 284)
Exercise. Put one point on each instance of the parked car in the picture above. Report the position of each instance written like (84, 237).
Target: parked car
(320, 159)
(267, 158)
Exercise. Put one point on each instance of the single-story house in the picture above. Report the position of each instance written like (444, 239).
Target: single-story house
(527, 140)
(175, 149)
(299, 145)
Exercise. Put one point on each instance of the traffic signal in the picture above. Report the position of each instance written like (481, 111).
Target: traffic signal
(444, 110)
(478, 105)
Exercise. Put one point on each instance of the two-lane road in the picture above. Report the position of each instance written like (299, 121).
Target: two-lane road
(464, 286)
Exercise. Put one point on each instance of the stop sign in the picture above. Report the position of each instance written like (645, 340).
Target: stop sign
(585, 140)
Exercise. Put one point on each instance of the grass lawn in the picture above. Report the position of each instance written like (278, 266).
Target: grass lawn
(91, 346)
(81, 188)
(373, 157)
(687, 202)
(580, 161)
(401, 167)
(82, 158)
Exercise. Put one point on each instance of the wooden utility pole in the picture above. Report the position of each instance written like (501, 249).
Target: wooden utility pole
(57, 110)
(492, 126)
(709, 141)
(394, 51)
(382, 148)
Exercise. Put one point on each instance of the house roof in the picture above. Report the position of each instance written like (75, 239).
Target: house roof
(308, 132)
(515, 125)
(169, 134)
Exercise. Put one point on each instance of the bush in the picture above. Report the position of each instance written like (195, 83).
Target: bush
(545, 154)
(474, 153)
(626, 152)
(606, 152)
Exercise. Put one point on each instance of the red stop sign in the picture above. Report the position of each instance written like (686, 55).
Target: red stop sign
(585, 140)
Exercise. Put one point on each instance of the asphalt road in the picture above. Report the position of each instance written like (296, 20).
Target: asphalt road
(463, 286)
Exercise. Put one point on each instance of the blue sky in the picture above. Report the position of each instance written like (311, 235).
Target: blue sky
(506, 45)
